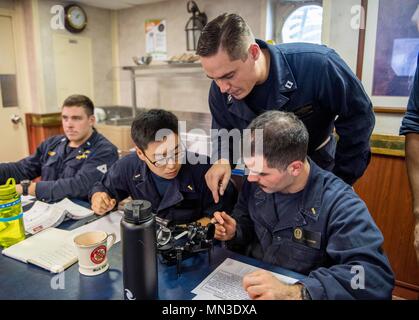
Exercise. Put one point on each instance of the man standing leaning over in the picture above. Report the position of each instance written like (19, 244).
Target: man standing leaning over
(312, 81)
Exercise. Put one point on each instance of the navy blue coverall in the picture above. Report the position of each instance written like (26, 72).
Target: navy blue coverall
(187, 198)
(64, 174)
(324, 231)
(313, 82)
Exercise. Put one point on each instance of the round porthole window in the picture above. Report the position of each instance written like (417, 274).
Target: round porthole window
(304, 25)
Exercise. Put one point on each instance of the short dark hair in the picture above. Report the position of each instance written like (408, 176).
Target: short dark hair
(148, 123)
(285, 138)
(228, 31)
(79, 100)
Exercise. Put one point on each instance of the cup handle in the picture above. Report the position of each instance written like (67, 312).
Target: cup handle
(110, 243)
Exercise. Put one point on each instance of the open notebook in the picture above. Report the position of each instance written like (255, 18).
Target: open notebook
(43, 215)
(53, 249)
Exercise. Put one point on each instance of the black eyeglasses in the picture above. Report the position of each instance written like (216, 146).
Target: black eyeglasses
(161, 162)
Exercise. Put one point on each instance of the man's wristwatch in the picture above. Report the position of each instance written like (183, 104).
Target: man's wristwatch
(305, 295)
(25, 186)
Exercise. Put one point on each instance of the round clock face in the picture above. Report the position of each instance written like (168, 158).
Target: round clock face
(76, 18)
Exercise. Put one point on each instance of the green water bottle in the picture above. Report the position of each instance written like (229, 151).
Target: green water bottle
(11, 216)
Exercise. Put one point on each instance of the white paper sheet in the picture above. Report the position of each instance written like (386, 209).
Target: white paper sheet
(27, 200)
(225, 282)
(73, 210)
(110, 224)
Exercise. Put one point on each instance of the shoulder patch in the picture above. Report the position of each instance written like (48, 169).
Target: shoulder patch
(103, 168)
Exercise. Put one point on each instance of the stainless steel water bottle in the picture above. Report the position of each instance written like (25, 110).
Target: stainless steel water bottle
(139, 251)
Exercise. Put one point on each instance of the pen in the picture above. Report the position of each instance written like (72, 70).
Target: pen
(91, 220)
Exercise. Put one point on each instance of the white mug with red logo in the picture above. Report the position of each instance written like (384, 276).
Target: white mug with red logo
(92, 248)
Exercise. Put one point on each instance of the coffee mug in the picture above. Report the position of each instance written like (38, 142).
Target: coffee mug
(92, 248)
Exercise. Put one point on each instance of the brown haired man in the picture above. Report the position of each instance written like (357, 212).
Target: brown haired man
(68, 164)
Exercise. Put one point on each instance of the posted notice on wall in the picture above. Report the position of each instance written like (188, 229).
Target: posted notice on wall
(156, 46)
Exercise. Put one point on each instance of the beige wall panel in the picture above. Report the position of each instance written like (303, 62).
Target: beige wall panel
(7, 52)
(73, 66)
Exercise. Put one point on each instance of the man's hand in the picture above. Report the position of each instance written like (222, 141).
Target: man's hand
(19, 189)
(217, 178)
(31, 189)
(102, 203)
(225, 226)
(416, 240)
(263, 285)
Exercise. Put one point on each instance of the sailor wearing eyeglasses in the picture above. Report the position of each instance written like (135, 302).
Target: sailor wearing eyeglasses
(161, 172)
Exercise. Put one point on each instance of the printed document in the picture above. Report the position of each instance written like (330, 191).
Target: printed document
(225, 282)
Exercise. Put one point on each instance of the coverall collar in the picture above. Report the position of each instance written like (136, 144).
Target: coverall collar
(283, 82)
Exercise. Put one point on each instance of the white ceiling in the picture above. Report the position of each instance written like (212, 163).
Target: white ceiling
(115, 4)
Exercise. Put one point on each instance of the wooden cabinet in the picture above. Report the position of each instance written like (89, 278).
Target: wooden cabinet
(40, 127)
(385, 189)
(120, 136)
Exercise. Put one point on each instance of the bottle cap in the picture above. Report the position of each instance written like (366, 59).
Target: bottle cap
(137, 211)
(9, 189)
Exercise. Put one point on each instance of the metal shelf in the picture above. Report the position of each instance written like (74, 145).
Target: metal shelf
(169, 69)
(167, 66)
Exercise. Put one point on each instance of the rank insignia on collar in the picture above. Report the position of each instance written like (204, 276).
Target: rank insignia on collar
(289, 84)
(51, 153)
(82, 156)
(190, 188)
(229, 99)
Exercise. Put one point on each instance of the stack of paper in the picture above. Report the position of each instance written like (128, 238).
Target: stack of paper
(225, 282)
(43, 215)
(72, 210)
